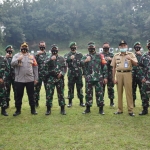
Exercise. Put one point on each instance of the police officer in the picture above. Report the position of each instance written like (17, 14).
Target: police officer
(110, 85)
(145, 77)
(93, 72)
(54, 71)
(40, 58)
(73, 59)
(122, 66)
(26, 75)
(135, 75)
(11, 76)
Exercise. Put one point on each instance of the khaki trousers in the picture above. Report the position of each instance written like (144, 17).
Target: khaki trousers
(124, 80)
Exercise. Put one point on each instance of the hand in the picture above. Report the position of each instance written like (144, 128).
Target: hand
(1, 81)
(40, 52)
(59, 76)
(53, 57)
(7, 55)
(88, 59)
(128, 57)
(115, 81)
(143, 80)
(108, 58)
(138, 52)
(20, 57)
(105, 81)
(35, 82)
(72, 57)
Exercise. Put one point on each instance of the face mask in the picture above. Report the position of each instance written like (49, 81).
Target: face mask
(73, 48)
(42, 48)
(9, 52)
(106, 49)
(91, 50)
(24, 50)
(123, 49)
(54, 52)
(137, 48)
(148, 47)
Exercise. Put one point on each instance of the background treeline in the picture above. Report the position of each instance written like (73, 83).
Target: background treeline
(61, 21)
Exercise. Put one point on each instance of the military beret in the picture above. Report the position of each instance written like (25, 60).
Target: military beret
(91, 44)
(136, 43)
(72, 44)
(122, 42)
(8, 46)
(54, 46)
(24, 44)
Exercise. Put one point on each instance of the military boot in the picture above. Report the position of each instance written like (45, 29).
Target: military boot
(18, 111)
(87, 110)
(33, 111)
(81, 103)
(144, 111)
(70, 103)
(3, 111)
(112, 103)
(101, 110)
(62, 111)
(48, 112)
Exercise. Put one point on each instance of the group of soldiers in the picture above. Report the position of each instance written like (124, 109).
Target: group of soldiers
(97, 70)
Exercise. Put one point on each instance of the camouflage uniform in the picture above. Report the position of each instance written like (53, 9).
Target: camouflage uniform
(94, 77)
(110, 84)
(74, 75)
(40, 61)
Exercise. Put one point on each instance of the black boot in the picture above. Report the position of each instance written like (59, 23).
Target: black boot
(33, 111)
(81, 103)
(87, 110)
(70, 103)
(18, 111)
(101, 110)
(37, 103)
(144, 111)
(7, 104)
(48, 112)
(112, 103)
(3, 111)
(63, 110)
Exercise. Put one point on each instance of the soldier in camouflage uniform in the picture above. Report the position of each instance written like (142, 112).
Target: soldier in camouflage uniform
(73, 59)
(11, 77)
(110, 85)
(55, 69)
(4, 72)
(135, 75)
(40, 58)
(144, 63)
(93, 72)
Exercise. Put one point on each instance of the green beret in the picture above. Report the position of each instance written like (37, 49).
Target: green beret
(91, 44)
(72, 44)
(136, 43)
(8, 46)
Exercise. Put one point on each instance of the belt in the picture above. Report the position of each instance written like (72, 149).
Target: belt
(123, 70)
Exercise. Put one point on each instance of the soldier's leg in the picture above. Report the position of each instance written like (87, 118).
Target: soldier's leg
(128, 91)
(134, 86)
(71, 83)
(79, 86)
(60, 94)
(140, 87)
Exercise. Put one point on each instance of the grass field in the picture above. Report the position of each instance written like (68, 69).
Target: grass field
(75, 131)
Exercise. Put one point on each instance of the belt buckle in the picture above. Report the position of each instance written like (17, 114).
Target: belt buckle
(122, 71)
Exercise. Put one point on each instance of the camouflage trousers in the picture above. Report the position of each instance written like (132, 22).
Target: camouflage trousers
(72, 80)
(145, 94)
(8, 84)
(136, 82)
(98, 92)
(2, 95)
(110, 88)
(37, 89)
(50, 87)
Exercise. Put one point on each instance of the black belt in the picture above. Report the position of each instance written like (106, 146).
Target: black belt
(123, 70)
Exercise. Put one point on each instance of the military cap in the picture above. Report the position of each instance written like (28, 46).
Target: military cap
(148, 42)
(136, 43)
(122, 42)
(54, 46)
(72, 44)
(91, 44)
(24, 44)
(8, 46)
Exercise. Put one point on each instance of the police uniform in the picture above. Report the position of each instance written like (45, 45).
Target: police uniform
(123, 69)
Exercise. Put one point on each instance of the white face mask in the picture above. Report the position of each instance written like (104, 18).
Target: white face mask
(123, 49)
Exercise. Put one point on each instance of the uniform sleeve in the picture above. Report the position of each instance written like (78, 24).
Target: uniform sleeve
(113, 63)
(105, 71)
(67, 57)
(134, 57)
(14, 61)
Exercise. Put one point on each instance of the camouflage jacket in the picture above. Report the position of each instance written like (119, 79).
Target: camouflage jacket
(93, 70)
(12, 70)
(74, 66)
(144, 64)
(135, 69)
(52, 68)
(40, 61)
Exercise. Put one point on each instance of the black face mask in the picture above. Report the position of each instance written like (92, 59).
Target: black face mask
(137, 48)
(106, 49)
(9, 52)
(54, 52)
(73, 48)
(42, 48)
(91, 50)
(148, 47)
(24, 50)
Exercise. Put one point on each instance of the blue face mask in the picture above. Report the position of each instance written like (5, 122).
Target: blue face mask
(123, 49)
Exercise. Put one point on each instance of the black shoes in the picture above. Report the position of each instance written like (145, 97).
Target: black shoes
(144, 112)
(131, 114)
(87, 110)
(62, 111)
(118, 113)
(33, 111)
(112, 105)
(70, 103)
(101, 110)
(3, 111)
(82, 104)
(48, 112)
(17, 113)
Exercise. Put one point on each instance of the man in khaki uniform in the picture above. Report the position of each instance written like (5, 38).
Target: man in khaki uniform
(122, 66)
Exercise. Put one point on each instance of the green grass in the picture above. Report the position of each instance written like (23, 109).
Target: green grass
(75, 131)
